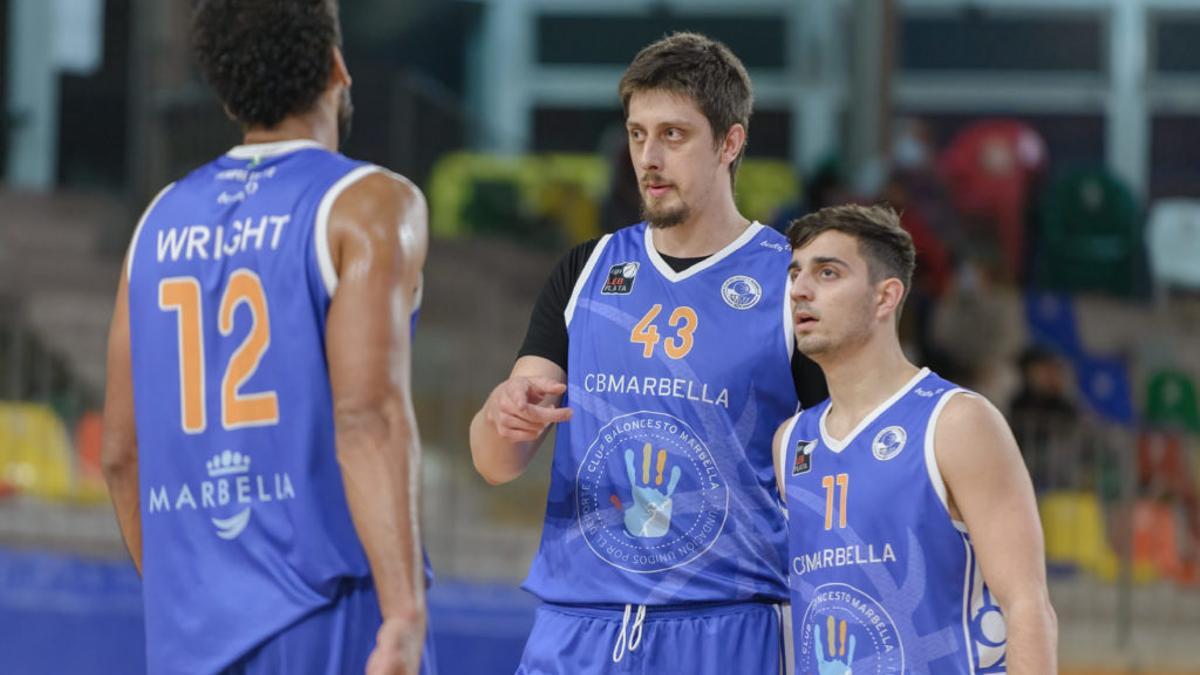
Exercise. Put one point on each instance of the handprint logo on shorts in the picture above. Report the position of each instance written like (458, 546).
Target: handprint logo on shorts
(837, 649)
(650, 515)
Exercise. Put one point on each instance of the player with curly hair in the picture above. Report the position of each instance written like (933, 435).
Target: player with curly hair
(260, 443)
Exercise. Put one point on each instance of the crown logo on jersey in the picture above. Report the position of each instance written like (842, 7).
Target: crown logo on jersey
(227, 463)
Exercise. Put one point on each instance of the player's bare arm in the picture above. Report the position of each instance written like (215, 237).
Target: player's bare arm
(378, 239)
(776, 448)
(119, 451)
(989, 490)
(513, 422)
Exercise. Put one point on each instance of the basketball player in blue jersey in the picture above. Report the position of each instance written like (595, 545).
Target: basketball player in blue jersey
(914, 540)
(260, 444)
(662, 353)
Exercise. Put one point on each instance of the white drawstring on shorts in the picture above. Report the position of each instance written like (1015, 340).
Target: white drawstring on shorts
(631, 636)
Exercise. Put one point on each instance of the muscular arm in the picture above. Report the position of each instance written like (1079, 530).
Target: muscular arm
(119, 450)
(989, 489)
(378, 240)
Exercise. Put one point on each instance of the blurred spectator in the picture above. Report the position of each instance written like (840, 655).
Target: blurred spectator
(989, 168)
(913, 167)
(1046, 422)
(825, 187)
(976, 330)
(622, 205)
(931, 278)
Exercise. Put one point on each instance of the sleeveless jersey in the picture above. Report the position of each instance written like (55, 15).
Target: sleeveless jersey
(245, 522)
(882, 580)
(662, 487)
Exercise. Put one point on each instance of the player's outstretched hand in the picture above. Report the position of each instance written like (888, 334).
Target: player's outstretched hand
(520, 408)
(398, 648)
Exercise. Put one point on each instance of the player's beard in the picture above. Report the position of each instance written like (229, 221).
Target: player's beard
(664, 217)
(345, 116)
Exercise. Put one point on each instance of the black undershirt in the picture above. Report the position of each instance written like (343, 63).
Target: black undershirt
(547, 334)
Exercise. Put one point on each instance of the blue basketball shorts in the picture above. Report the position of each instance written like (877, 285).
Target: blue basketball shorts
(711, 638)
(336, 639)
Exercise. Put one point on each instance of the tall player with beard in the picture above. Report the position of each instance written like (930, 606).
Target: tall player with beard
(914, 539)
(663, 354)
(260, 444)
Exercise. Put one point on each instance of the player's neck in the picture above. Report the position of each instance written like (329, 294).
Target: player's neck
(704, 233)
(861, 379)
(296, 128)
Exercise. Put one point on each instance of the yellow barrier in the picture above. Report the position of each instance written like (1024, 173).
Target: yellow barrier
(476, 193)
(1075, 531)
(35, 451)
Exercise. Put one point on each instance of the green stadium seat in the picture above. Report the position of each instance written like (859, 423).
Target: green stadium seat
(1090, 236)
(1171, 401)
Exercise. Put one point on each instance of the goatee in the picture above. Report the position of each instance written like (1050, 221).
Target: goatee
(665, 218)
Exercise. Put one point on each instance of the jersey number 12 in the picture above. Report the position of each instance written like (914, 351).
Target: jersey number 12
(238, 409)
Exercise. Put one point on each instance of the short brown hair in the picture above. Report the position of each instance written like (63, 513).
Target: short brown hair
(887, 247)
(702, 69)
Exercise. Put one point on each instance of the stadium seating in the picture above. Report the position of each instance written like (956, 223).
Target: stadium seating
(1090, 234)
(1171, 401)
(1173, 243)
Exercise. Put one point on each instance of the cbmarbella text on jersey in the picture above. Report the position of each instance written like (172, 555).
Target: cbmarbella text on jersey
(662, 387)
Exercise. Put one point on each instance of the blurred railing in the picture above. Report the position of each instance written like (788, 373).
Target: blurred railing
(1119, 514)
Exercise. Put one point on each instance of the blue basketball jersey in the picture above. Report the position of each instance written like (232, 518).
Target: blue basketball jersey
(882, 580)
(662, 486)
(245, 523)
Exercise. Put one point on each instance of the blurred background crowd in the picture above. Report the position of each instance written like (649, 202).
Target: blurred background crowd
(1045, 155)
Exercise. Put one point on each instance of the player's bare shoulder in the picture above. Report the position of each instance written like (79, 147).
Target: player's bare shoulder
(972, 440)
(967, 415)
(382, 207)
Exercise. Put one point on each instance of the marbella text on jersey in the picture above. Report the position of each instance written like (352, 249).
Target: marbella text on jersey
(229, 483)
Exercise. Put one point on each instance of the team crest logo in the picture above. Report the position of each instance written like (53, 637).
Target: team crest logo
(888, 443)
(741, 292)
(845, 630)
(650, 496)
(620, 279)
(227, 496)
(803, 461)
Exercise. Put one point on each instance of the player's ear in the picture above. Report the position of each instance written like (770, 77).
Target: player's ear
(891, 294)
(735, 140)
(339, 73)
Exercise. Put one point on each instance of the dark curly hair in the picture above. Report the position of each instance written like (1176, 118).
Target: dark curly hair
(266, 59)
